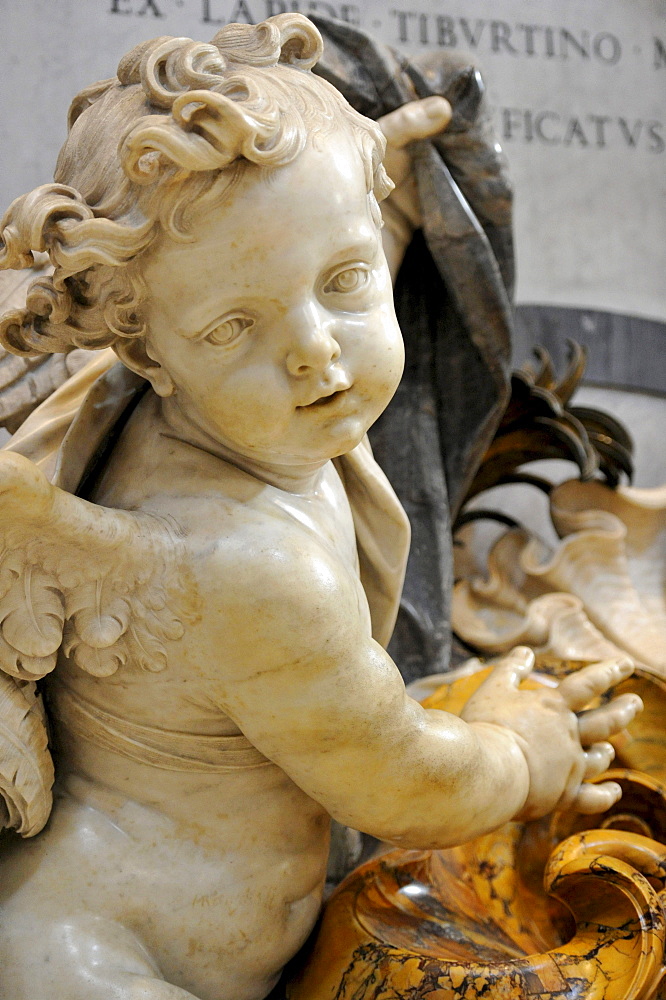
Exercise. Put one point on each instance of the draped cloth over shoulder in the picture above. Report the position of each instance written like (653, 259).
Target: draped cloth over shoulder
(453, 303)
(72, 433)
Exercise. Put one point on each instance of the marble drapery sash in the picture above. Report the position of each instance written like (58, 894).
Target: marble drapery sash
(162, 748)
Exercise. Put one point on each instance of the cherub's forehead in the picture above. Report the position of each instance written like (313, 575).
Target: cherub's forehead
(325, 183)
(341, 142)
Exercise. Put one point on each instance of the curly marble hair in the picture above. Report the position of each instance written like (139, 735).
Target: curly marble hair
(179, 123)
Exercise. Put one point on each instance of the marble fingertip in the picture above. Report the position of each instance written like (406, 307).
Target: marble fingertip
(625, 666)
(523, 659)
(615, 790)
(436, 108)
(637, 704)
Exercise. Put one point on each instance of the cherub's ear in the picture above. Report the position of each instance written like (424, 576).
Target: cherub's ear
(134, 355)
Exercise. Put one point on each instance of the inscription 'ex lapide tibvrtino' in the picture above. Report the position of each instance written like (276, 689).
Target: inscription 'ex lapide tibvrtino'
(222, 12)
(417, 27)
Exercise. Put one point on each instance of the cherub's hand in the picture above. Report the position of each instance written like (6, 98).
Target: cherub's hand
(401, 210)
(552, 736)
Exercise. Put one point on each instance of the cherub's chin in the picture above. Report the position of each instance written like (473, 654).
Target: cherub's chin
(348, 434)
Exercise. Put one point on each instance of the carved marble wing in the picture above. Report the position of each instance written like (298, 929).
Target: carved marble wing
(105, 586)
(102, 584)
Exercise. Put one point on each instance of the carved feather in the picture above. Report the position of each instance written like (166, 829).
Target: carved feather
(103, 623)
(26, 768)
(26, 668)
(32, 613)
(95, 660)
(146, 648)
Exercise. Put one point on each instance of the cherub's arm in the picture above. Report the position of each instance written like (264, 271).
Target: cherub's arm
(316, 694)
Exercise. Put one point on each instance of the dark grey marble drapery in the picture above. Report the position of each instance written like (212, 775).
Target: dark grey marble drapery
(453, 302)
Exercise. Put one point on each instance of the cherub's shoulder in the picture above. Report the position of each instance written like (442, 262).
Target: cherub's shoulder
(249, 550)
(273, 595)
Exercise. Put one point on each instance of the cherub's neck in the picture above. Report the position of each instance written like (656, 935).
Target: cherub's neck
(300, 479)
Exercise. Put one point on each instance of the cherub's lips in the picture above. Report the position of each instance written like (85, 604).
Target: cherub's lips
(327, 399)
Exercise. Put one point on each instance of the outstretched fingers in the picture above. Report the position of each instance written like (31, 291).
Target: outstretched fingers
(582, 687)
(600, 723)
(591, 799)
(513, 668)
(598, 759)
(586, 798)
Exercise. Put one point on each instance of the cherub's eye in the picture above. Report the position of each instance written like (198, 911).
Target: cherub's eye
(352, 279)
(229, 329)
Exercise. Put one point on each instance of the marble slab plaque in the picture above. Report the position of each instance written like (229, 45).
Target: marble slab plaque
(577, 87)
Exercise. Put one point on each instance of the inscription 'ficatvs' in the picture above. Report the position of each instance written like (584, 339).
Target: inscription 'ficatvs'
(594, 131)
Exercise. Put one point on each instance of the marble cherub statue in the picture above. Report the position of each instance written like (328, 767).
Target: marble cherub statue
(205, 603)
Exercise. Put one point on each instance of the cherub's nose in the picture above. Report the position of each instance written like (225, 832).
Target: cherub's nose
(312, 345)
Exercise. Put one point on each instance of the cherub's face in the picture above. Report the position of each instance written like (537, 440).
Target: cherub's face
(276, 325)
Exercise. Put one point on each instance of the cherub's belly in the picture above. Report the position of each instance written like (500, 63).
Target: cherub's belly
(209, 914)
